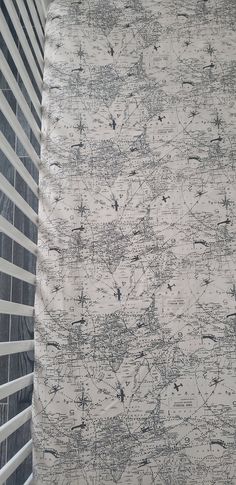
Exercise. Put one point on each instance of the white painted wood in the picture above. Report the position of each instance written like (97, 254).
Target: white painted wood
(36, 21)
(29, 28)
(17, 235)
(6, 33)
(30, 480)
(15, 461)
(9, 348)
(17, 272)
(24, 43)
(42, 13)
(17, 163)
(11, 426)
(13, 121)
(14, 386)
(10, 308)
(16, 198)
(46, 4)
(14, 86)
(44, 7)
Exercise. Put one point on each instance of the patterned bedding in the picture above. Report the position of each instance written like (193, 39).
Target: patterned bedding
(135, 309)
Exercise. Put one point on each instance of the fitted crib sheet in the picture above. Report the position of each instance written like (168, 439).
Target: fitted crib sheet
(135, 307)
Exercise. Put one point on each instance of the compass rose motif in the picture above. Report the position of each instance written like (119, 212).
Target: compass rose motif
(82, 209)
(82, 298)
(225, 202)
(82, 401)
(80, 127)
(80, 53)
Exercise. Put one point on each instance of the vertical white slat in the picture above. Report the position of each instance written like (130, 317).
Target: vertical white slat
(13, 424)
(16, 198)
(36, 22)
(15, 347)
(15, 461)
(14, 86)
(24, 43)
(44, 7)
(29, 28)
(10, 308)
(17, 128)
(42, 13)
(6, 33)
(17, 163)
(7, 307)
(17, 235)
(30, 480)
(46, 4)
(17, 385)
(16, 271)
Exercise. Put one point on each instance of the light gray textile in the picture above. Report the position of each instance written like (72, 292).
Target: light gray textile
(135, 334)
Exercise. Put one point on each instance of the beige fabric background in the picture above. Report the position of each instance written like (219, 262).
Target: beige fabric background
(135, 334)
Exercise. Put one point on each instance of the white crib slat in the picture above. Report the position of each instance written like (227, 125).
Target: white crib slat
(13, 121)
(13, 424)
(29, 28)
(10, 308)
(17, 272)
(42, 13)
(17, 235)
(46, 5)
(24, 43)
(35, 18)
(16, 198)
(5, 31)
(14, 386)
(14, 86)
(17, 163)
(31, 39)
(15, 347)
(15, 461)
(30, 480)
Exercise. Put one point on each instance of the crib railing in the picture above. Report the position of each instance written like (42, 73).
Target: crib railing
(22, 24)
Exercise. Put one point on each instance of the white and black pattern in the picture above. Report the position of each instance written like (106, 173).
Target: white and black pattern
(136, 315)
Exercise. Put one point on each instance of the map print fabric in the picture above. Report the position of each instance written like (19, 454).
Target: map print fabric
(136, 300)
